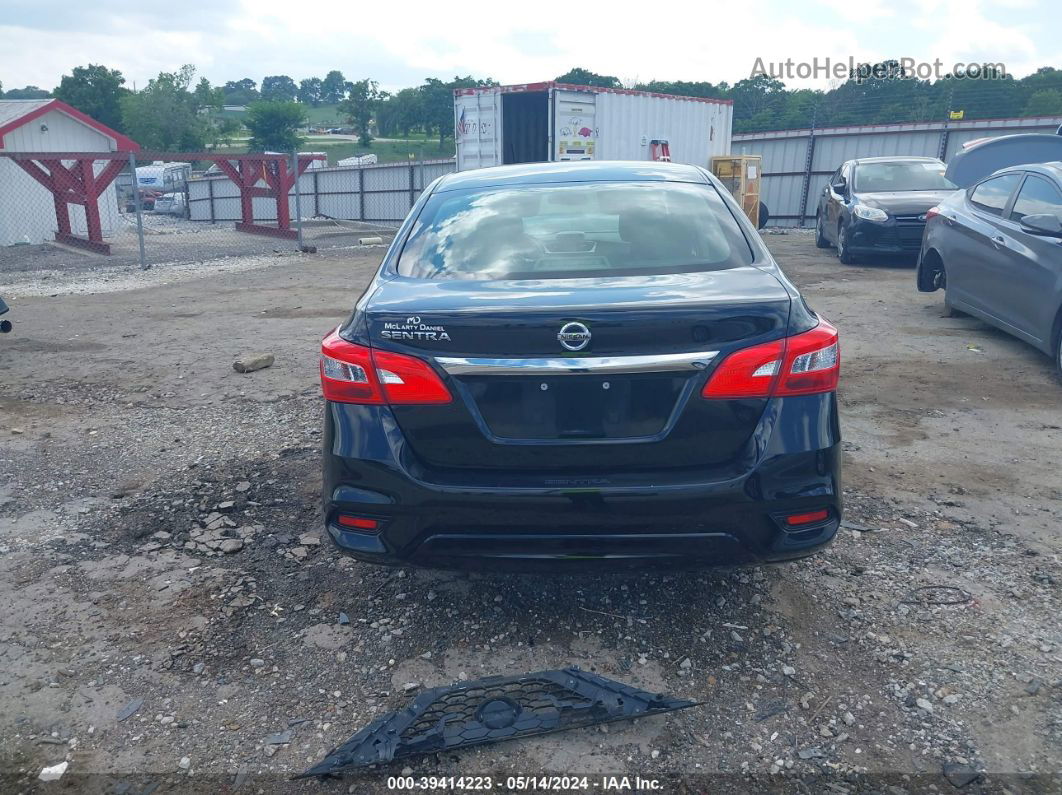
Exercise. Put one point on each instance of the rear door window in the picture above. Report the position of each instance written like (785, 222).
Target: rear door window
(1037, 197)
(993, 194)
(573, 230)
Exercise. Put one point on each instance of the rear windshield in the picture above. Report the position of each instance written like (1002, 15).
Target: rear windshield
(901, 176)
(573, 230)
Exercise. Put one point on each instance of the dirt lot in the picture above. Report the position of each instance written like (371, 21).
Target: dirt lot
(125, 434)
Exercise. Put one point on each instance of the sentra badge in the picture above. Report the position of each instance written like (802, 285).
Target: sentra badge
(414, 328)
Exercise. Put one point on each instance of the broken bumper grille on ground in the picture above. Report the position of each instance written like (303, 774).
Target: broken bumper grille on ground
(491, 710)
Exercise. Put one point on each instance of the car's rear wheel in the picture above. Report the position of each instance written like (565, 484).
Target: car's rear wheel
(844, 254)
(820, 234)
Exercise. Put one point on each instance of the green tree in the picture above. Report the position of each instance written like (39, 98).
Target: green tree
(685, 88)
(96, 91)
(275, 126)
(279, 88)
(1045, 102)
(584, 77)
(165, 116)
(29, 92)
(240, 92)
(310, 91)
(208, 97)
(332, 87)
(401, 113)
(363, 97)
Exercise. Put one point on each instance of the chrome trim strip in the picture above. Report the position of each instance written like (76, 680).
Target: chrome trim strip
(657, 363)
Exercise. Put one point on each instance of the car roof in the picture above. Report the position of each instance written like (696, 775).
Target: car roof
(899, 159)
(575, 171)
(1050, 169)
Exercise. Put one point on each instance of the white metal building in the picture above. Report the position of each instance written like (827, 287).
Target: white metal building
(27, 209)
(546, 122)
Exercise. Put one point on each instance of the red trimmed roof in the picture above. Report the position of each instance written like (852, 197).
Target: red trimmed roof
(38, 108)
(522, 87)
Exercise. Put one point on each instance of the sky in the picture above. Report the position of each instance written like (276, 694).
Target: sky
(399, 44)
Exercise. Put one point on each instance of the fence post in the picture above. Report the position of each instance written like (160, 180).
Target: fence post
(298, 197)
(361, 193)
(210, 193)
(808, 161)
(139, 210)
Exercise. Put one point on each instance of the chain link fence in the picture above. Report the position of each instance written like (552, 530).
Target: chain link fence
(82, 210)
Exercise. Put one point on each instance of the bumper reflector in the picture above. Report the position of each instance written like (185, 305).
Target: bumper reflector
(800, 519)
(357, 522)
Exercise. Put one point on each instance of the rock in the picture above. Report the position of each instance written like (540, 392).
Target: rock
(849, 719)
(243, 486)
(788, 670)
(327, 636)
(130, 708)
(811, 753)
(300, 553)
(409, 687)
(252, 362)
(960, 775)
(344, 619)
(198, 668)
(225, 506)
(280, 738)
(1033, 687)
(924, 705)
(53, 773)
(257, 662)
(655, 754)
(952, 698)
(686, 663)
(407, 771)
(230, 545)
(310, 540)
(185, 763)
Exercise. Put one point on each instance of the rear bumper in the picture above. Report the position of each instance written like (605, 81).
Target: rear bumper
(634, 521)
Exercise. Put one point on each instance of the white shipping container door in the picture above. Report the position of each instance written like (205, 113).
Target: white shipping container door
(575, 130)
(693, 130)
(477, 129)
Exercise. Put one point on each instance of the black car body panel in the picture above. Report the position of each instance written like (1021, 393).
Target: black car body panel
(992, 265)
(551, 467)
(899, 234)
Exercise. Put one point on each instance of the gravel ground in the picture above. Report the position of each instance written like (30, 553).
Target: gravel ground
(161, 555)
(169, 240)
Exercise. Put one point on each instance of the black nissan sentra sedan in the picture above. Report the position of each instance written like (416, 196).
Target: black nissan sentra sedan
(580, 364)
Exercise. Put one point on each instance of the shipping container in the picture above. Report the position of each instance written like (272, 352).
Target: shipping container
(546, 122)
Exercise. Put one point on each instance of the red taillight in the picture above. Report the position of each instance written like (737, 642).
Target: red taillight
(932, 212)
(355, 374)
(805, 364)
(357, 522)
(812, 517)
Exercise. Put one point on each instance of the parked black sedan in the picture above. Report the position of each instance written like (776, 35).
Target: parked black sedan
(996, 250)
(580, 364)
(877, 206)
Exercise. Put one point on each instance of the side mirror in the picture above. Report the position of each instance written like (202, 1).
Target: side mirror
(840, 186)
(1044, 224)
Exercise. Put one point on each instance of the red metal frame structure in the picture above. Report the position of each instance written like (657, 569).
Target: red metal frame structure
(80, 184)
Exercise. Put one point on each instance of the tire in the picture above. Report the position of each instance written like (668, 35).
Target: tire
(843, 252)
(765, 216)
(929, 273)
(820, 237)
